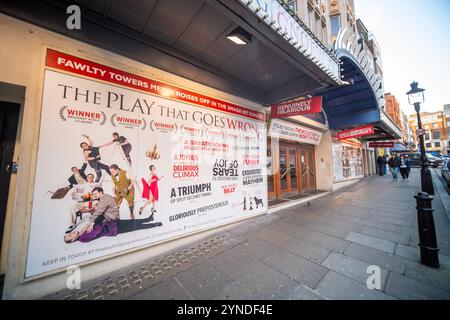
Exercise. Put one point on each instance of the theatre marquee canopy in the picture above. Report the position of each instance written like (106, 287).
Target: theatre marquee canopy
(361, 101)
(282, 61)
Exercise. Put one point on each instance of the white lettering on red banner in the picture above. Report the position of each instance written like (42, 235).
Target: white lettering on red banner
(381, 144)
(356, 133)
(289, 131)
(69, 63)
(297, 107)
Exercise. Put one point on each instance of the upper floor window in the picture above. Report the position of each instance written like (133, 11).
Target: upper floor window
(437, 145)
(335, 22)
(292, 4)
(435, 125)
(436, 135)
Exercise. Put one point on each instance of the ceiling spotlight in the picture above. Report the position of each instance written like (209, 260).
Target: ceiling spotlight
(240, 36)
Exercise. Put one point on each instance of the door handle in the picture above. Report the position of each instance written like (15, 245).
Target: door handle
(308, 171)
(12, 167)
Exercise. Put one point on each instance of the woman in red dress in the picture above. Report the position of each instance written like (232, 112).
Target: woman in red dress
(150, 191)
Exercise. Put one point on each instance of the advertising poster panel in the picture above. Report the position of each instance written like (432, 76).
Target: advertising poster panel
(125, 162)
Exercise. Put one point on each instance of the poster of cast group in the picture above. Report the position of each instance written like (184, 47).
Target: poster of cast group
(347, 162)
(120, 169)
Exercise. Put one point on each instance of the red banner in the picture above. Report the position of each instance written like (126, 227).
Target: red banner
(69, 63)
(297, 107)
(356, 132)
(381, 145)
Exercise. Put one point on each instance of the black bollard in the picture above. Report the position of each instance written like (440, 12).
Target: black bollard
(427, 232)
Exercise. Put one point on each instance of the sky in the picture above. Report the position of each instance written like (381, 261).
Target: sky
(414, 36)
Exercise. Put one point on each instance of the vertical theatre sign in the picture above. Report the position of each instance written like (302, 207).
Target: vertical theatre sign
(170, 162)
(279, 19)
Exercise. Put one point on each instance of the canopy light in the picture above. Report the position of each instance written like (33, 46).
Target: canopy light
(240, 36)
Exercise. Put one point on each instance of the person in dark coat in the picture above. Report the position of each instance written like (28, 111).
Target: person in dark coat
(380, 164)
(394, 165)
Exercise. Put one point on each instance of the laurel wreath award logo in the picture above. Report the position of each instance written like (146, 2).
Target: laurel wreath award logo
(104, 118)
(61, 113)
(112, 119)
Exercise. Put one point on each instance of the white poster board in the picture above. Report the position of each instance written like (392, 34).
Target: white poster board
(211, 164)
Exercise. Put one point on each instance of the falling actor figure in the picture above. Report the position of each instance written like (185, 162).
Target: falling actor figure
(123, 143)
(150, 191)
(92, 156)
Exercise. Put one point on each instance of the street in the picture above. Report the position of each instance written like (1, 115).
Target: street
(316, 251)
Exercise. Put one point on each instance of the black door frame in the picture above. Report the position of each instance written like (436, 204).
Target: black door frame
(9, 121)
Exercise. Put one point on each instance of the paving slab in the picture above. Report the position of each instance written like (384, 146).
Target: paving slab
(387, 261)
(439, 278)
(331, 230)
(352, 268)
(405, 288)
(386, 235)
(170, 289)
(302, 292)
(297, 268)
(371, 242)
(326, 241)
(335, 286)
(204, 281)
(306, 250)
(273, 236)
(256, 280)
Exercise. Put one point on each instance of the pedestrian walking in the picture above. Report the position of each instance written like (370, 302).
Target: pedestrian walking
(386, 161)
(380, 164)
(394, 165)
(408, 166)
(405, 167)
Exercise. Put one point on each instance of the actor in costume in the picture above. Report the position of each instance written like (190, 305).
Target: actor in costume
(91, 154)
(83, 201)
(123, 143)
(103, 221)
(123, 187)
(150, 191)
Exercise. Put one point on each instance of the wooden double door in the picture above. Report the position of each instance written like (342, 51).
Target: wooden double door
(296, 172)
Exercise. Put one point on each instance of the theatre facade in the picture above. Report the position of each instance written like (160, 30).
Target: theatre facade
(193, 115)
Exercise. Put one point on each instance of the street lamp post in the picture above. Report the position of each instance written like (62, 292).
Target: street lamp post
(427, 232)
(415, 97)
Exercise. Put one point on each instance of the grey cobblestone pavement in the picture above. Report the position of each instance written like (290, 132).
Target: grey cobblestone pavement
(314, 251)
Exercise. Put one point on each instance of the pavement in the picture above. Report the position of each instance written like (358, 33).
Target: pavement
(315, 251)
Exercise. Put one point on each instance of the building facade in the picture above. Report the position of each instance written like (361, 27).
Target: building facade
(436, 131)
(393, 110)
(447, 128)
(180, 93)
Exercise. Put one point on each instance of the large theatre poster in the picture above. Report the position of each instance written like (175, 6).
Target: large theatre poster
(125, 162)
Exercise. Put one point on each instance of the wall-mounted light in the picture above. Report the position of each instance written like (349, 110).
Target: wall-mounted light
(240, 36)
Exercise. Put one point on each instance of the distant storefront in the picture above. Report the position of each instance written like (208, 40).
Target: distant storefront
(347, 160)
